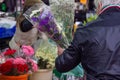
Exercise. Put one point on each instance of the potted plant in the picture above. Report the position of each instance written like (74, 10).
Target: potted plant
(45, 70)
(45, 60)
(17, 65)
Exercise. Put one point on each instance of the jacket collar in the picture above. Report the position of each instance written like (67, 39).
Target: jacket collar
(109, 10)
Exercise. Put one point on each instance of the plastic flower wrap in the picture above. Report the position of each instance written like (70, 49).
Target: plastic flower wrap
(41, 15)
(63, 11)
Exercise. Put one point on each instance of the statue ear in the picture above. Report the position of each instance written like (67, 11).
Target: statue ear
(25, 25)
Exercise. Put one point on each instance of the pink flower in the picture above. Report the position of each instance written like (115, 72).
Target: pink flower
(34, 65)
(19, 61)
(27, 50)
(10, 59)
(17, 64)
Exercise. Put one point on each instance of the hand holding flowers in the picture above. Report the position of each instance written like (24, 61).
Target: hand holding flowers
(41, 15)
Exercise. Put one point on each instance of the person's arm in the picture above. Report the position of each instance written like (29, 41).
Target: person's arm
(71, 57)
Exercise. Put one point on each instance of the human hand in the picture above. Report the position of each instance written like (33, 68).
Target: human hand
(60, 50)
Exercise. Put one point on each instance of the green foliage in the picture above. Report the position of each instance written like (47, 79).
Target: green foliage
(91, 18)
(63, 11)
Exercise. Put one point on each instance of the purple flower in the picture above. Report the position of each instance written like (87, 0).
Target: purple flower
(47, 24)
(35, 19)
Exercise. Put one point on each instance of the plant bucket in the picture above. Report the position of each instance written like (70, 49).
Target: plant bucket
(21, 77)
(42, 74)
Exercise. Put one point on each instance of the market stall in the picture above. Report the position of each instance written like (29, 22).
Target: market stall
(7, 30)
(9, 9)
(56, 22)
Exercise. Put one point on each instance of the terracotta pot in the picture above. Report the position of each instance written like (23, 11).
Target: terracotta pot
(21, 77)
(42, 74)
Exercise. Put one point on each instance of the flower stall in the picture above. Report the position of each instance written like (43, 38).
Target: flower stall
(17, 65)
(55, 20)
(41, 15)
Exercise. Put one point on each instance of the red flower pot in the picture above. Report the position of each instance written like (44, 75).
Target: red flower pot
(21, 77)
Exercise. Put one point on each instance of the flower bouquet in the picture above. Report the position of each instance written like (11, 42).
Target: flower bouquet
(17, 63)
(41, 16)
(64, 14)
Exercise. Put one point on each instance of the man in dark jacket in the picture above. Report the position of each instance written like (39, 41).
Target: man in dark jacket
(96, 45)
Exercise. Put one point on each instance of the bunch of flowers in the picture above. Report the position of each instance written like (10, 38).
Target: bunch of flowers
(41, 15)
(46, 55)
(64, 14)
(17, 62)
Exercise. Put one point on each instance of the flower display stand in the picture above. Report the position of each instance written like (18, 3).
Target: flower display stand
(21, 77)
(42, 74)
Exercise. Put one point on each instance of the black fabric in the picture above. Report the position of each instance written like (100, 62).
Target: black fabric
(91, 5)
(97, 47)
(46, 2)
(25, 26)
(80, 15)
(4, 43)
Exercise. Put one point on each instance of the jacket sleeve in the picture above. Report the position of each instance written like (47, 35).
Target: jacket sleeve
(71, 57)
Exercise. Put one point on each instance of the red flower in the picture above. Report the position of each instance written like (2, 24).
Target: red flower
(21, 68)
(6, 67)
(25, 67)
(9, 52)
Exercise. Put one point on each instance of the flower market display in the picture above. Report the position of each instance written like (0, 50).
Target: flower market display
(41, 16)
(17, 63)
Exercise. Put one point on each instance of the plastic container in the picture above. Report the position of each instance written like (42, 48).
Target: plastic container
(21, 77)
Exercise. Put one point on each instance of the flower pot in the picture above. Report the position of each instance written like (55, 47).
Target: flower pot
(42, 74)
(21, 77)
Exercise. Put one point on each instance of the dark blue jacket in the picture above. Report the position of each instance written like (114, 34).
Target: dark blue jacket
(97, 47)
